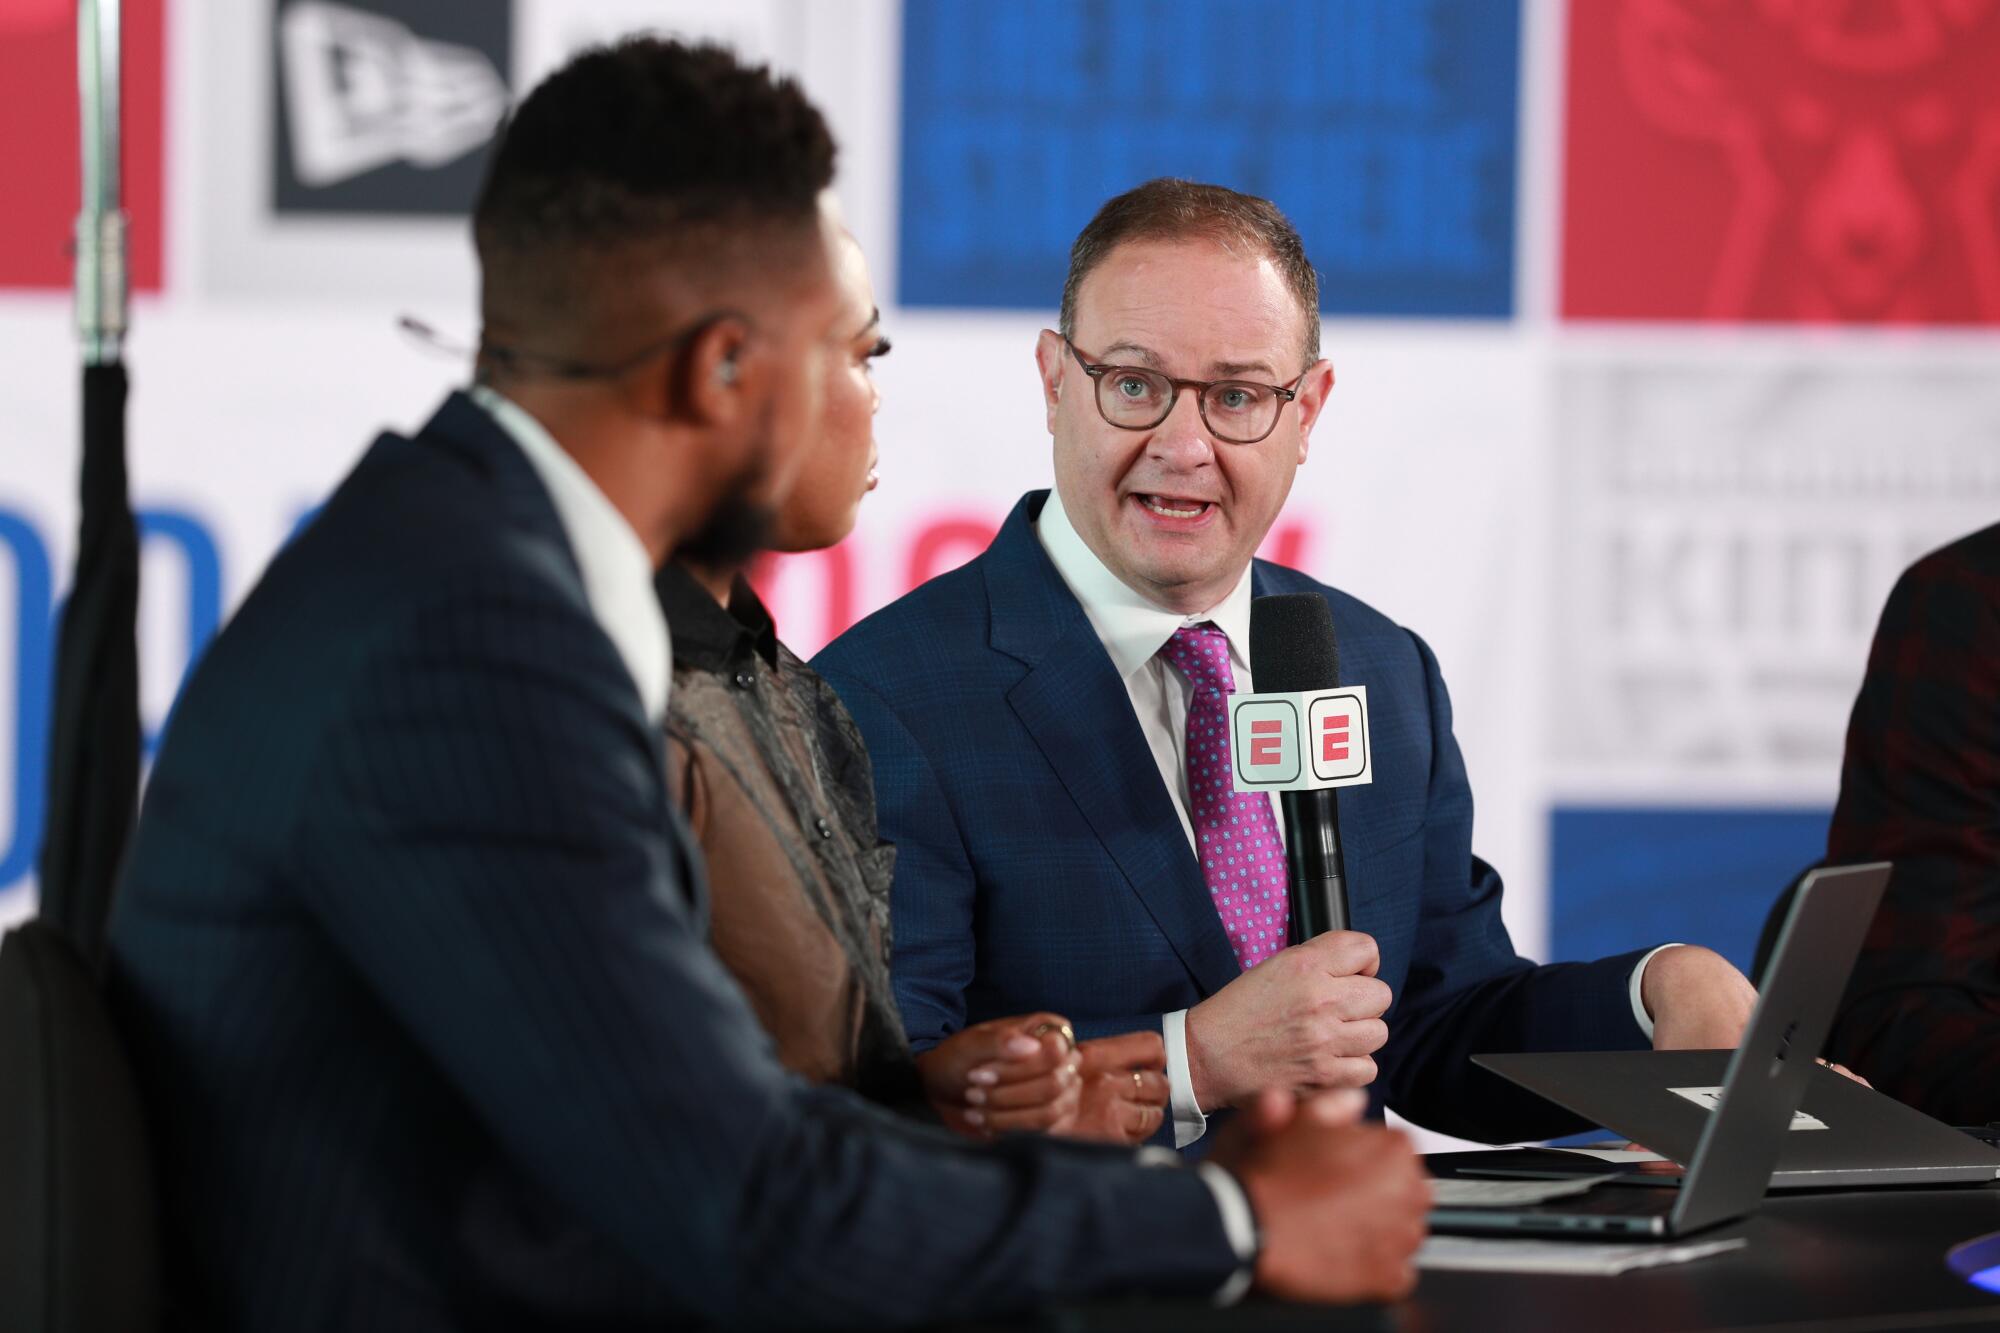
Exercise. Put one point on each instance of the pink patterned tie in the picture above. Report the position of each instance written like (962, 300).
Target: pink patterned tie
(1236, 833)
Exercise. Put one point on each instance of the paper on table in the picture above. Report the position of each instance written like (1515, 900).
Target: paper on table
(1482, 1255)
(1614, 1154)
(1460, 1193)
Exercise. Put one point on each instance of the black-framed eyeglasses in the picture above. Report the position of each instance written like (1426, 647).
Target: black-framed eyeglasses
(1235, 411)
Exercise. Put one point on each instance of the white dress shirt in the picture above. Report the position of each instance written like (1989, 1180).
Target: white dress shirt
(1133, 630)
(617, 572)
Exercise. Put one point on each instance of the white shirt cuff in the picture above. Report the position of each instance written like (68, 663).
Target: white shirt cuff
(1644, 1019)
(1189, 1121)
(1239, 1224)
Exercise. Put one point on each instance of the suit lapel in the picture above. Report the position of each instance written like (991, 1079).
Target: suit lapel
(1079, 714)
(522, 502)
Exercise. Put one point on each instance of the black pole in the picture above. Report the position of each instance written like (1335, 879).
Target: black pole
(93, 777)
(94, 739)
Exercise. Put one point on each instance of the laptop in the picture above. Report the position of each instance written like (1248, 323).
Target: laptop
(1844, 1136)
(1734, 1130)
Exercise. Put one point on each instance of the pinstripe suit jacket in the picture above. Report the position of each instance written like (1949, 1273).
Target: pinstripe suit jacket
(411, 953)
(1040, 863)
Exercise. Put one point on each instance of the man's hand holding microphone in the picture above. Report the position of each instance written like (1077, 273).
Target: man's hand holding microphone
(1307, 1019)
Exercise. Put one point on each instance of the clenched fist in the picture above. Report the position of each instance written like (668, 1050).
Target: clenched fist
(1124, 1089)
(1307, 1019)
(1005, 1075)
(1341, 1204)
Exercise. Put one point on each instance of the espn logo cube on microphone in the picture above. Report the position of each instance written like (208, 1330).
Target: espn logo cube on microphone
(1302, 741)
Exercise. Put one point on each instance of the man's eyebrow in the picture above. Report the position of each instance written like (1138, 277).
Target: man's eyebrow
(1222, 370)
(1145, 355)
(1233, 369)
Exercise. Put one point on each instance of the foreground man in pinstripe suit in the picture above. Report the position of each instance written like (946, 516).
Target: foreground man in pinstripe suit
(412, 952)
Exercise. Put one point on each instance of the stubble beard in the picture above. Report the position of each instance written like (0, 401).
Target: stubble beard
(739, 526)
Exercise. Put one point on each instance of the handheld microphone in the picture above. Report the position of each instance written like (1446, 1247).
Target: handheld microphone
(1292, 650)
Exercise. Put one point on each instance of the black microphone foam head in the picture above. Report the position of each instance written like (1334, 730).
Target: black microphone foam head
(1291, 644)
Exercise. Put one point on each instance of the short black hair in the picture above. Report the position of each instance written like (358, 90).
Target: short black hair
(650, 143)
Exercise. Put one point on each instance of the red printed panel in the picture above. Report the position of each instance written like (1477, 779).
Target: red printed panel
(1783, 160)
(40, 143)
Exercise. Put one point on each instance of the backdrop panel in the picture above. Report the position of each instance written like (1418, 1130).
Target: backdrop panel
(1386, 132)
(1777, 161)
(1647, 543)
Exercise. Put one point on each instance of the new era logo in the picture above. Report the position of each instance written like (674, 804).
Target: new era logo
(363, 91)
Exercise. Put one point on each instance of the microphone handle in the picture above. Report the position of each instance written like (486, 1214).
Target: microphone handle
(1313, 862)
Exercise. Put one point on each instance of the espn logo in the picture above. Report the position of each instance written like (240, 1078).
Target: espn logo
(1300, 742)
(1333, 732)
(1267, 741)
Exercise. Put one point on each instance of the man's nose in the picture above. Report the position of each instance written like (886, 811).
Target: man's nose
(1182, 441)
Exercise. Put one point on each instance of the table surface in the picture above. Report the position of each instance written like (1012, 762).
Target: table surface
(1829, 1262)
(1844, 1262)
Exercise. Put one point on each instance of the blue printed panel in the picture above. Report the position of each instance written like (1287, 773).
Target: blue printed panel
(1622, 878)
(187, 537)
(1384, 128)
(24, 555)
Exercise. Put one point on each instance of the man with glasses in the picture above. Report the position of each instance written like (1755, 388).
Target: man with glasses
(1046, 726)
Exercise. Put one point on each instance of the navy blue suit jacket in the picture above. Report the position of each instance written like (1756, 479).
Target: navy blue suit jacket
(411, 953)
(1040, 863)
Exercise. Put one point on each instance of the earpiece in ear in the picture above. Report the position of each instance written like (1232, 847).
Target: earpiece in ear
(725, 372)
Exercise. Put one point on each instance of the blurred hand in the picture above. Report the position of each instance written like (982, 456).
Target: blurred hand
(1698, 1000)
(1124, 1089)
(1341, 1204)
(999, 1077)
(1308, 1018)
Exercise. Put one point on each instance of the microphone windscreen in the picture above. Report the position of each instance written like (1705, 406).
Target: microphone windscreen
(1291, 644)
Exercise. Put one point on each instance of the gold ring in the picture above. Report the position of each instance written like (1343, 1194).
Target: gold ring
(1068, 1032)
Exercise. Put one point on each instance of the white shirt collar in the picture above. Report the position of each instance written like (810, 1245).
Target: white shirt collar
(617, 572)
(1131, 627)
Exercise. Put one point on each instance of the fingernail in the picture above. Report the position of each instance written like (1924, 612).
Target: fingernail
(975, 1117)
(1019, 1046)
(977, 1096)
(985, 1075)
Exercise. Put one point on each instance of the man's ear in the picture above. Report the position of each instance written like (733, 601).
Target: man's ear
(1313, 391)
(717, 374)
(1050, 364)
